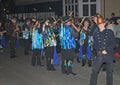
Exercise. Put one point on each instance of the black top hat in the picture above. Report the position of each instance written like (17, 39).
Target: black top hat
(66, 19)
(14, 18)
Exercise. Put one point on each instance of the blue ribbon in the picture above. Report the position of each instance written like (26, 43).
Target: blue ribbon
(55, 57)
(3, 42)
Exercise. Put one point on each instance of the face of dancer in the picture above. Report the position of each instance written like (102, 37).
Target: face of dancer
(95, 19)
(14, 21)
(86, 24)
(101, 26)
(28, 22)
(118, 21)
(68, 23)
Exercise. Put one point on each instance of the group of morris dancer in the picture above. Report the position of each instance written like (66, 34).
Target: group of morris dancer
(45, 35)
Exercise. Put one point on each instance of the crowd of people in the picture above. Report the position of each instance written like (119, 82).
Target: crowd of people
(95, 39)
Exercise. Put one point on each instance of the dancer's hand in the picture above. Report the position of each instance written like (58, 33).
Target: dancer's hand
(104, 52)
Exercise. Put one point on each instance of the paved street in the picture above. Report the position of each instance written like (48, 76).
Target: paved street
(19, 71)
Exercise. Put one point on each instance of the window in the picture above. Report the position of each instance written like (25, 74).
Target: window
(65, 1)
(92, 0)
(85, 10)
(76, 8)
(72, 7)
(89, 7)
(93, 9)
(76, 1)
(69, 8)
(66, 9)
(85, 0)
(72, 1)
(68, 1)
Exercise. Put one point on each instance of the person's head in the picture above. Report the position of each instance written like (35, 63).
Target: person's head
(67, 21)
(112, 14)
(109, 21)
(95, 17)
(14, 20)
(27, 21)
(118, 21)
(101, 22)
(86, 23)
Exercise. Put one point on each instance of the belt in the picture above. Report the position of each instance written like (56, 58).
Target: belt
(99, 52)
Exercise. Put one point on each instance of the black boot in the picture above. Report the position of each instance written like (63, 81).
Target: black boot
(13, 56)
(52, 67)
(48, 63)
(69, 71)
(89, 63)
(83, 61)
(63, 68)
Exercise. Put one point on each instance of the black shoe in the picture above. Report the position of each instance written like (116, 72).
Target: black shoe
(64, 72)
(52, 68)
(33, 65)
(63, 69)
(13, 56)
(26, 53)
(73, 73)
(49, 69)
(114, 61)
(89, 63)
(83, 61)
(40, 65)
(68, 73)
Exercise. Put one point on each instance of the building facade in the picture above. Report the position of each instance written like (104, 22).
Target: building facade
(91, 7)
(81, 7)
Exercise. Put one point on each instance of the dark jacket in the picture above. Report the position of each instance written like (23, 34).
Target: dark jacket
(105, 40)
(10, 30)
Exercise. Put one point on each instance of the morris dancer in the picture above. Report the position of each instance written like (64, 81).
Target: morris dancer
(12, 32)
(26, 36)
(68, 46)
(2, 38)
(85, 43)
(37, 44)
(49, 43)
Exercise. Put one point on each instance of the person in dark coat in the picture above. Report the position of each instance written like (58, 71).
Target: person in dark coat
(104, 43)
(12, 32)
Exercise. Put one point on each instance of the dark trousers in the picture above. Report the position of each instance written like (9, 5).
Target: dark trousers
(84, 48)
(118, 43)
(96, 68)
(84, 57)
(67, 56)
(26, 45)
(12, 46)
(49, 57)
(36, 58)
